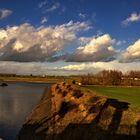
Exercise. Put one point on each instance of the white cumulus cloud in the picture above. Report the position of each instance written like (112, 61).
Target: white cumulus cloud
(97, 49)
(132, 53)
(27, 43)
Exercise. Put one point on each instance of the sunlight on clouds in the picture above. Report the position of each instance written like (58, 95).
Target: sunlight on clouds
(132, 53)
(3, 34)
(18, 46)
(75, 67)
(98, 66)
(97, 49)
(20, 43)
(98, 43)
(65, 68)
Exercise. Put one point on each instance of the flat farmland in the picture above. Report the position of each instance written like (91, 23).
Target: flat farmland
(128, 94)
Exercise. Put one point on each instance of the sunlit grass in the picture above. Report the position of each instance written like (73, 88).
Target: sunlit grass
(128, 94)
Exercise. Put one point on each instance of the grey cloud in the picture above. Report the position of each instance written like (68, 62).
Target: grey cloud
(134, 17)
(103, 56)
(4, 13)
(57, 68)
(53, 7)
(43, 3)
(33, 54)
(25, 43)
(80, 57)
(96, 49)
(63, 57)
(35, 68)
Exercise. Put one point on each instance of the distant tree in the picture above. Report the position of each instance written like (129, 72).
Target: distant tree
(134, 74)
(110, 77)
(86, 79)
(115, 77)
(103, 77)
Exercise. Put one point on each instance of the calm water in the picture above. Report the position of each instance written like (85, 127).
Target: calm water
(16, 102)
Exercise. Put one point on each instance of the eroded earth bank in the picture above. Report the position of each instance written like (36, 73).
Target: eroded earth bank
(69, 112)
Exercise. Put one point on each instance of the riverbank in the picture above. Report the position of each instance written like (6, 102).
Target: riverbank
(16, 102)
(37, 79)
(66, 111)
(29, 80)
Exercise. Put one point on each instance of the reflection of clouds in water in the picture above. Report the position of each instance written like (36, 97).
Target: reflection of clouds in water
(16, 103)
(11, 108)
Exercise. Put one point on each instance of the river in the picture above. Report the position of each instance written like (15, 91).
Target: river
(16, 102)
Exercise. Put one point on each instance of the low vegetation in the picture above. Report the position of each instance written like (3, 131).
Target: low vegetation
(105, 77)
(112, 77)
(128, 94)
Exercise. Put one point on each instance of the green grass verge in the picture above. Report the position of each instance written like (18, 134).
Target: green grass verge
(128, 94)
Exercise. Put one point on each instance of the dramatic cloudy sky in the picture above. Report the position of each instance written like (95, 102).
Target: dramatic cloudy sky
(64, 37)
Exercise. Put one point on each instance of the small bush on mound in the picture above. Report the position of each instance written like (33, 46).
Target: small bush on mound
(95, 108)
(94, 99)
(68, 86)
(66, 107)
(77, 93)
(57, 87)
(59, 91)
(64, 93)
(74, 82)
(63, 84)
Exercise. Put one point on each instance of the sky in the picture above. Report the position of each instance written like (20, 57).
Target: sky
(69, 37)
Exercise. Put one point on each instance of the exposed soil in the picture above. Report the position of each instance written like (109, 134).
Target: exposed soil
(66, 112)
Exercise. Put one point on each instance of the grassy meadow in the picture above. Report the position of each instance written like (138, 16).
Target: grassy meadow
(128, 94)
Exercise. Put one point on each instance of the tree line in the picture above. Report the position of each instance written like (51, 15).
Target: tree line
(112, 77)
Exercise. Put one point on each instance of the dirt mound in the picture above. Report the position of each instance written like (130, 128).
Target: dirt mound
(67, 112)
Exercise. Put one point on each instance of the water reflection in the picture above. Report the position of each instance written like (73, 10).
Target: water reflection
(16, 102)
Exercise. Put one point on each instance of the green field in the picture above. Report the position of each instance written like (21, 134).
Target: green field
(128, 94)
